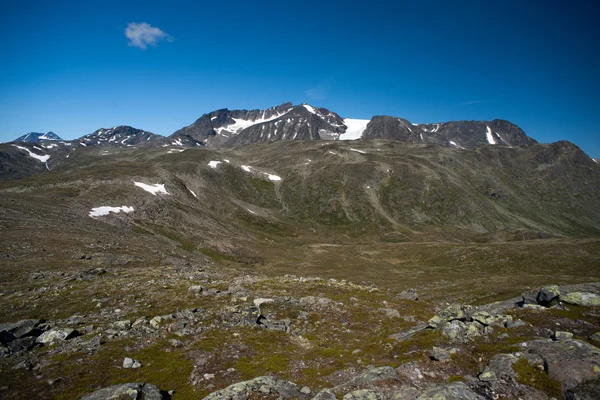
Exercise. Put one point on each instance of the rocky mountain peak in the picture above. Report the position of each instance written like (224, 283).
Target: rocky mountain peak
(122, 136)
(35, 137)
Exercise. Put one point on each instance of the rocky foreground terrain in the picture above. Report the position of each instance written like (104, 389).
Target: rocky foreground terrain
(201, 331)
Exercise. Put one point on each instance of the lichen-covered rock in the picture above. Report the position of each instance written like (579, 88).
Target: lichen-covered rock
(589, 390)
(581, 299)
(133, 391)
(500, 366)
(266, 385)
(451, 391)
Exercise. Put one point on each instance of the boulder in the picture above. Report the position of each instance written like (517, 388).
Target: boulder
(595, 337)
(390, 312)
(265, 385)
(440, 354)
(581, 299)
(56, 335)
(407, 334)
(370, 377)
(451, 391)
(131, 363)
(133, 391)
(569, 361)
(548, 295)
(14, 330)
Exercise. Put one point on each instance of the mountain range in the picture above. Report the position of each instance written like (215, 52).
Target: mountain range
(233, 128)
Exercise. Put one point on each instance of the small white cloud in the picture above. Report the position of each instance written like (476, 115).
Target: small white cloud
(471, 102)
(142, 34)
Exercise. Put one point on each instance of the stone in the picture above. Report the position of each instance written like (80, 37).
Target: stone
(559, 335)
(305, 390)
(363, 394)
(55, 335)
(440, 354)
(316, 302)
(455, 330)
(408, 294)
(372, 376)
(155, 322)
(260, 301)
(133, 391)
(405, 393)
(263, 384)
(548, 295)
(195, 289)
(390, 312)
(123, 325)
(595, 337)
(581, 299)
(131, 363)
(451, 391)
(499, 367)
(325, 394)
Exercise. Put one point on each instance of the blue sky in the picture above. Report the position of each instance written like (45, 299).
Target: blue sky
(67, 66)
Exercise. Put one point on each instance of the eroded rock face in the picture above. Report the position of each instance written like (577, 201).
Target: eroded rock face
(133, 391)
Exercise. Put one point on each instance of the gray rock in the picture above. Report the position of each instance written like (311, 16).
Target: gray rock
(316, 302)
(451, 391)
(569, 361)
(305, 390)
(371, 376)
(364, 394)
(131, 363)
(440, 354)
(595, 337)
(408, 294)
(133, 391)
(548, 295)
(266, 385)
(196, 289)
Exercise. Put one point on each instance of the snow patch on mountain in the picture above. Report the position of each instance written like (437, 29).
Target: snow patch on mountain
(358, 151)
(38, 157)
(490, 137)
(241, 124)
(154, 189)
(105, 210)
(214, 164)
(273, 177)
(355, 128)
